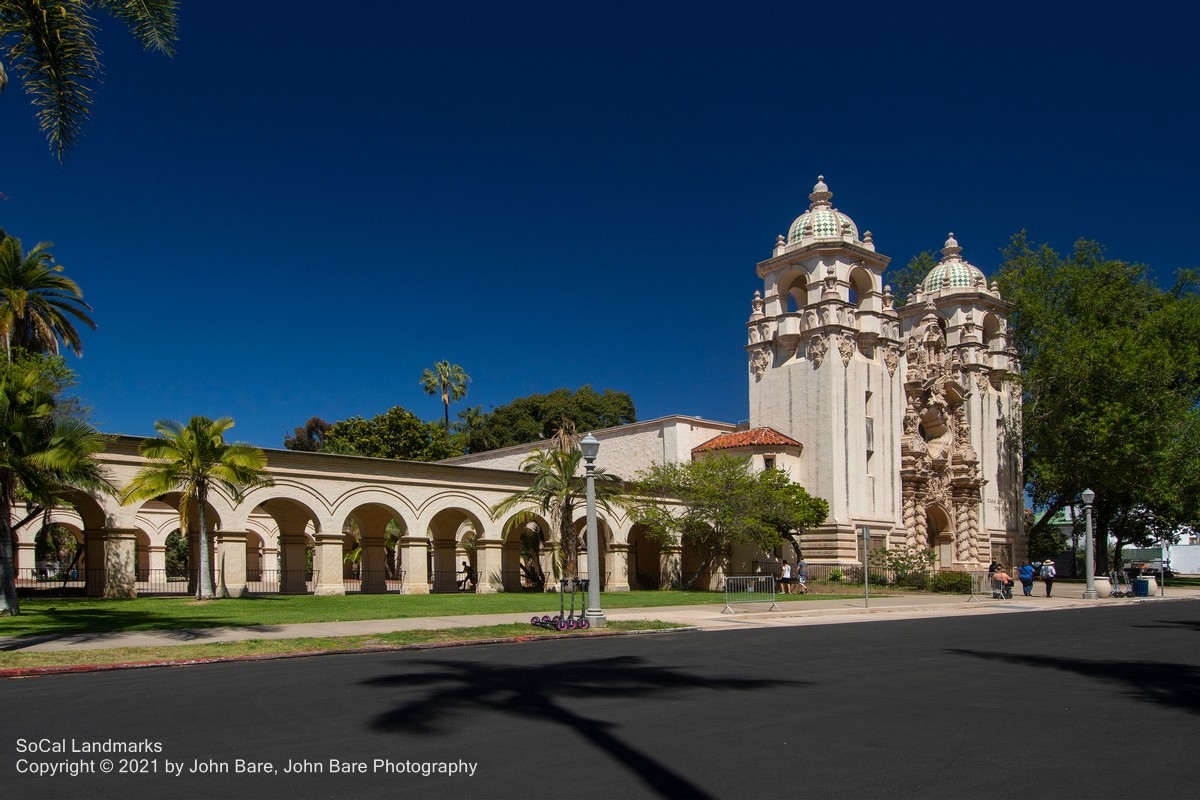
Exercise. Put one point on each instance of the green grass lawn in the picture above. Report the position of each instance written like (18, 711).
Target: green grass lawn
(63, 616)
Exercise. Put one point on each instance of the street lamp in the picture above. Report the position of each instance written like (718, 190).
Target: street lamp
(595, 617)
(1089, 564)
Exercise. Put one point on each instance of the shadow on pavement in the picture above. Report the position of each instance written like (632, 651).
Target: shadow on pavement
(459, 688)
(1143, 680)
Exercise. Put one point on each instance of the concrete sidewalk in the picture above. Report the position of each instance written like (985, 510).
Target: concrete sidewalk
(707, 617)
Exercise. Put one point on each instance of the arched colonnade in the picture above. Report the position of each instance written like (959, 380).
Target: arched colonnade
(334, 522)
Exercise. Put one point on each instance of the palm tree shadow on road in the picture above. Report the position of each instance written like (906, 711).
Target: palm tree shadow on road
(1172, 685)
(539, 691)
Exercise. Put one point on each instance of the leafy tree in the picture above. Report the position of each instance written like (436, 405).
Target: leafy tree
(177, 554)
(538, 416)
(53, 47)
(45, 454)
(715, 502)
(469, 429)
(1110, 386)
(310, 438)
(38, 302)
(449, 381)
(396, 433)
(905, 280)
(557, 492)
(194, 459)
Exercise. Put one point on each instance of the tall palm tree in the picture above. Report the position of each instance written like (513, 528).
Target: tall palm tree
(193, 459)
(447, 379)
(38, 302)
(557, 491)
(53, 47)
(44, 454)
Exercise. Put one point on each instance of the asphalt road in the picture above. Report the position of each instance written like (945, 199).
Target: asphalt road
(1069, 704)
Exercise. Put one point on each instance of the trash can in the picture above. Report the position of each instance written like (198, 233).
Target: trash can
(1141, 587)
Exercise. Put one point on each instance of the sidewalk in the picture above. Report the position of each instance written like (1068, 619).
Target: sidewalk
(708, 617)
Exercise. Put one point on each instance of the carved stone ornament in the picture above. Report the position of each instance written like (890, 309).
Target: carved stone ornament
(846, 348)
(891, 359)
(817, 348)
(759, 359)
(983, 382)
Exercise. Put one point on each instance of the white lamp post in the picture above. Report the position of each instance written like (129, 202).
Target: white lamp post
(595, 617)
(1089, 564)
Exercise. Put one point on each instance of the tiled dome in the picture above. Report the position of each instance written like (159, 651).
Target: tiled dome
(962, 275)
(822, 220)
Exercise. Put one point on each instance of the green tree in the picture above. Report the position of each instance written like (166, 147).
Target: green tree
(52, 45)
(45, 455)
(310, 438)
(447, 380)
(716, 502)
(538, 416)
(194, 459)
(396, 433)
(38, 302)
(557, 491)
(905, 280)
(1110, 385)
(469, 429)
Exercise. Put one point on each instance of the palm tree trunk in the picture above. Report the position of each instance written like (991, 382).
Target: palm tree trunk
(9, 603)
(204, 587)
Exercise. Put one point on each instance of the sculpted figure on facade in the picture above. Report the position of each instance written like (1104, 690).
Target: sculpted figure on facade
(759, 359)
(817, 348)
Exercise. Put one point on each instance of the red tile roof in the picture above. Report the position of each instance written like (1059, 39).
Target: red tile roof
(755, 437)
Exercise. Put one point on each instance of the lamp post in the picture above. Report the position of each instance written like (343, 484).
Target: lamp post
(866, 537)
(1089, 563)
(595, 617)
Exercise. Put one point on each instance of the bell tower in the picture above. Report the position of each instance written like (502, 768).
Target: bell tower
(824, 347)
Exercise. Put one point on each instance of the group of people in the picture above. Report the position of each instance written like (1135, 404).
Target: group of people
(793, 579)
(1026, 574)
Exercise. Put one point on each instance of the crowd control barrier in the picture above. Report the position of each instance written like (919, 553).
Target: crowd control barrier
(740, 589)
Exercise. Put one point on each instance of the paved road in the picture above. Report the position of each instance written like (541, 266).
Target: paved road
(1074, 703)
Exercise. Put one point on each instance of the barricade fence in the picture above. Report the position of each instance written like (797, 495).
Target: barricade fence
(745, 589)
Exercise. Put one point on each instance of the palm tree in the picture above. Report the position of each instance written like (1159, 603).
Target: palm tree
(44, 454)
(193, 460)
(38, 302)
(447, 379)
(53, 47)
(557, 491)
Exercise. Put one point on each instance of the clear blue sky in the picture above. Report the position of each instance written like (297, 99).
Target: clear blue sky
(313, 201)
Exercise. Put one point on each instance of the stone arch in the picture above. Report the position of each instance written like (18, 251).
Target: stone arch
(861, 286)
(527, 553)
(446, 530)
(645, 559)
(993, 332)
(793, 291)
(939, 526)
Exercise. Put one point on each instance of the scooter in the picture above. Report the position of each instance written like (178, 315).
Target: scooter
(566, 621)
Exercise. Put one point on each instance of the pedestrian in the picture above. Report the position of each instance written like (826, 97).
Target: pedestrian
(802, 576)
(1048, 573)
(785, 578)
(1025, 575)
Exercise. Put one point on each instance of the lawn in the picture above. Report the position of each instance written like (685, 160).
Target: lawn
(64, 616)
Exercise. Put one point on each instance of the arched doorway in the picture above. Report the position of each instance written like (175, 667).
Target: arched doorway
(940, 531)
(645, 560)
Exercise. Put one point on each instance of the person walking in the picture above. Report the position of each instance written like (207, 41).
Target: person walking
(1048, 575)
(1025, 575)
(785, 578)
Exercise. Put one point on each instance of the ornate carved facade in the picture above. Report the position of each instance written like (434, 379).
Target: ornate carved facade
(901, 411)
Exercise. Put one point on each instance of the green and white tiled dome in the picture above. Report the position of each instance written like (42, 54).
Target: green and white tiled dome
(822, 220)
(961, 274)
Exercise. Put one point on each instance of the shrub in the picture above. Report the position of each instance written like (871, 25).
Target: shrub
(951, 582)
(836, 574)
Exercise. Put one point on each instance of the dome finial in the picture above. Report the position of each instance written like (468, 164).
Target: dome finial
(820, 194)
(951, 251)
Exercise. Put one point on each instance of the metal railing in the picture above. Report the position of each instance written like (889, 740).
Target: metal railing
(372, 581)
(743, 589)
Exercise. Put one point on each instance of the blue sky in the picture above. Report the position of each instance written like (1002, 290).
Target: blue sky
(313, 202)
